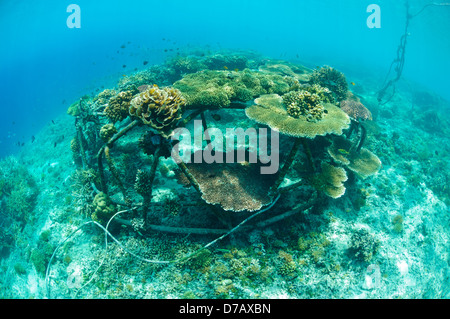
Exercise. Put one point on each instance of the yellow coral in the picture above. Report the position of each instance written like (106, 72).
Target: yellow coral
(159, 108)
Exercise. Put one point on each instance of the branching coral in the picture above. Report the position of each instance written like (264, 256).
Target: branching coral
(307, 101)
(117, 109)
(332, 79)
(161, 108)
(269, 110)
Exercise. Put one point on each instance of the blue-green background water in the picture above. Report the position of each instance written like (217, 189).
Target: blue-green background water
(45, 66)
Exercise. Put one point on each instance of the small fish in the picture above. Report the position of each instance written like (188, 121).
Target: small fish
(342, 151)
(124, 66)
(123, 46)
(53, 122)
(54, 145)
(32, 139)
(123, 74)
(236, 69)
(436, 152)
(352, 83)
(145, 62)
(165, 50)
(225, 67)
(216, 117)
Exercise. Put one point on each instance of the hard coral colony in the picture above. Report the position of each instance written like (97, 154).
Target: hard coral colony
(139, 120)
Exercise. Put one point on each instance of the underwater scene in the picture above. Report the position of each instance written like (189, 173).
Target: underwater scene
(225, 150)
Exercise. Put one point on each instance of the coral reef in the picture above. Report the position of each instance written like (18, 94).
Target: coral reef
(217, 89)
(18, 191)
(269, 110)
(332, 79)
(160, 108)
(364, 163)
(234, 187)
(103, 208)
(355, 109)
(117, 109)
(298, 72)
(307, 102)
(107, 131)
(363, 245)
(330, 180)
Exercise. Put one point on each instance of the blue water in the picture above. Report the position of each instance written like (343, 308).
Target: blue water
(45, 66)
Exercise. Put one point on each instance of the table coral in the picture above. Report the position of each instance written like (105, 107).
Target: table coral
(269, 110)
(355, 109)
(364, 163)
(331, 180)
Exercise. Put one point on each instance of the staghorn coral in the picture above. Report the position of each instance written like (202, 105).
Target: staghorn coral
(159, 108)
(355, 109)
(330, 180)
(269, 110)
(117, 109)
(332, 79)
(364, 163)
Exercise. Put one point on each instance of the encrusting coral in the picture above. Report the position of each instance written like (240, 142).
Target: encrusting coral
(364, 163)
(161, 108)
(270, 110)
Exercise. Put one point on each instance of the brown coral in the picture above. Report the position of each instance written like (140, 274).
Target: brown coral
(159, 108)
(269, 110)
(117, 109)
(331, 180)
(355, 109)
(364, 163)
(233, 186)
